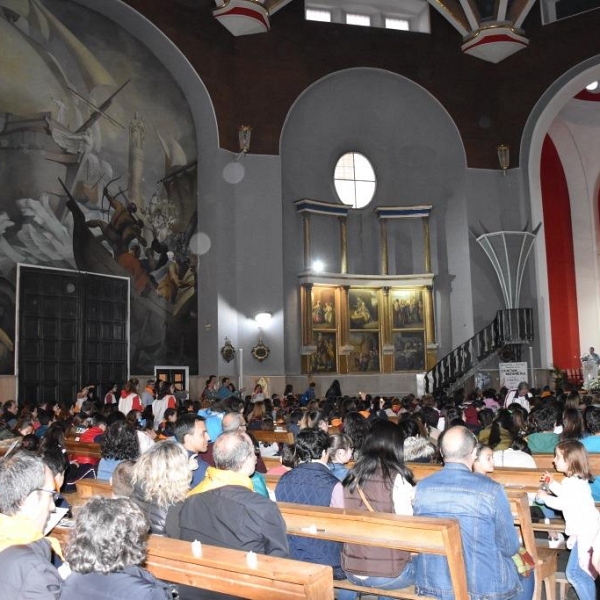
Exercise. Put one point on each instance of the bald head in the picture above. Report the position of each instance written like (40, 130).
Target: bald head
(233, 421)
(458, 446)
(234, 451)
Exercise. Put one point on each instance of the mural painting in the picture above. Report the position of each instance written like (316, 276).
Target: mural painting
(365, 353)
(407, 308)
(363, 309)
(324, 358)
(323, 308)
(409, 351)
(85, 103)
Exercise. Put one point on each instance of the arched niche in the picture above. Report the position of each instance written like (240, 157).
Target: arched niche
(418, 157)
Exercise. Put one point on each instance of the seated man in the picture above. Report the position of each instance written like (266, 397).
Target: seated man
(544, 440)
(26, 500)
(311, 482)
(190, 432)
(225, 511)
(487, 529)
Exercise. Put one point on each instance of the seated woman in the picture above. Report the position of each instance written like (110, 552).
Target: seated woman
(381, 482)
(105, 552)
(161, 479)
(120, 443)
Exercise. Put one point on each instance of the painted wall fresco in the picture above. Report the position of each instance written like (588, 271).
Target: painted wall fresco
(81, 100)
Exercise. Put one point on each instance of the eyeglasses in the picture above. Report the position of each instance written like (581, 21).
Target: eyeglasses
(55, 495)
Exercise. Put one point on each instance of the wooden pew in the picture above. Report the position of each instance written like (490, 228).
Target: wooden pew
(526, 480)
(86, 488)
(413, 534)
(76, 448)
(544, 558)
(269, 437)
(226, 571)
(545, 461)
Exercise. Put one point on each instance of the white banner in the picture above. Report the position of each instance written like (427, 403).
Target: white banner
(511, 374)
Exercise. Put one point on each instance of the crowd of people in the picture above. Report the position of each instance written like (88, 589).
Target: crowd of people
(193, 470)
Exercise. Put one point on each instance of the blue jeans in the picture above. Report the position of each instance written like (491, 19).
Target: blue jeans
(583, 583)
(527, 583)
(406, 578)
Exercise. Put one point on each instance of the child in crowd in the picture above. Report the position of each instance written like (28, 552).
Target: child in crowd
(582, 520)
(166, 428)
(484, 460)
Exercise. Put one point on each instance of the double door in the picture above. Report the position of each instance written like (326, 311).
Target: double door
(73, 330)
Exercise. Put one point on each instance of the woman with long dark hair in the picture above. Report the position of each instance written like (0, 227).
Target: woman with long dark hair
(501, 432)
(379, 482)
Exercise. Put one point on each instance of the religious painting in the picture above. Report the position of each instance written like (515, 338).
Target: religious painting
(98, 172)
(409, 351)
(364, 356)
(363, 309)
(323, 308)
(407, 309)
(324, 358)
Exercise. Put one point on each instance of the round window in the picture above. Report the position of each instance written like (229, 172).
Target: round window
(354, 180)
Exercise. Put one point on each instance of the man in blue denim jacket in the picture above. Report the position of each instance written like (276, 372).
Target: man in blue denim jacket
(486, 524)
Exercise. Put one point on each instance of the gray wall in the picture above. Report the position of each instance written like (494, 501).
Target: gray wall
(418, 158)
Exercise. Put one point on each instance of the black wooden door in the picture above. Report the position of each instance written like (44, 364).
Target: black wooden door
(72, 331)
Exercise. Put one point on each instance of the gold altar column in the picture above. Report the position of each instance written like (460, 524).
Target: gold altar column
(387, 360)
(343, 245)
(431, 358)
(306, 310)
(343, 328)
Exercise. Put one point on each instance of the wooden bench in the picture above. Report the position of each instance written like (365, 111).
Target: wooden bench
(412, 534)
(75, 448)
(545, 461)
(226, 571)
(544, 558)
(526, 480)
(269, 437)
(86, 488)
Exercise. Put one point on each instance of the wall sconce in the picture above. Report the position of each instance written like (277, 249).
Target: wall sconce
(262, 318)
(503, 157)
(244, 135)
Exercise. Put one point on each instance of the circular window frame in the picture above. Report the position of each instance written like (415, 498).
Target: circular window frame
(374, 181)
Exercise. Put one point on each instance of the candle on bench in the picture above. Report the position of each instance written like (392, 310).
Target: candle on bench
(197, 548)
(252, 560)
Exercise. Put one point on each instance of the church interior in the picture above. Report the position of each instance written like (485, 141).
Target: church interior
(383, 192)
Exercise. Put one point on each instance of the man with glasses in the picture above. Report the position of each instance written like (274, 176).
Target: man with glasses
(27, 496)
(487, 529)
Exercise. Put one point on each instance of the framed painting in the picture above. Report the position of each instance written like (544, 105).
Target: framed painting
(407, 309)
(364, 356)
(324, 359)
(363, 309)
(409, 351)
(323, 308)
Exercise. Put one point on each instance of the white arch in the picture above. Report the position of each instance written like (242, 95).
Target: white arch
(538, 124)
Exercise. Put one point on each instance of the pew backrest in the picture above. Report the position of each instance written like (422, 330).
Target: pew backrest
(269, 437)
(227, 571)
(76, 448)
(412, 534)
